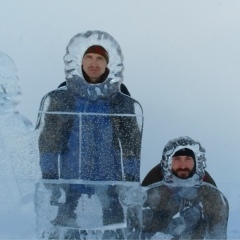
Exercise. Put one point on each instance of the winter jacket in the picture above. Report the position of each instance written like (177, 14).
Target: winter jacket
(185, 208)
(90, 131)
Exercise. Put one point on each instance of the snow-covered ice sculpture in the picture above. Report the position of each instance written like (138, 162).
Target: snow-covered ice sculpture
(19, 167)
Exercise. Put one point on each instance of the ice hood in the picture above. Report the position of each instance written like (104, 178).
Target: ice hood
(73, 65)
(174, 146)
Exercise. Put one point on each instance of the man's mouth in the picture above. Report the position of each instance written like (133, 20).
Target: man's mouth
(183, 172)
(93, 69)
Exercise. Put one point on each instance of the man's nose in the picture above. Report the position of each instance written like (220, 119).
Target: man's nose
(94, 62)
(183, 164)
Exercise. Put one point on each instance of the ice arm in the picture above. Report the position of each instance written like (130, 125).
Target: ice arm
(133, 196)
(218, 229)
(216, 213)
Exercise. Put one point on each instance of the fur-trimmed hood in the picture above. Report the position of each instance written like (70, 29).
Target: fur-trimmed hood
(174, 146)
(73, 65)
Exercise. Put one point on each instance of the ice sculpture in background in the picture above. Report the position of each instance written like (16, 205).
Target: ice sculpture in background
(19, 167)
(90, 142)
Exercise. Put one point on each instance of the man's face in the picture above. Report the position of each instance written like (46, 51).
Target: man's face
(94, 66)
(182, 166)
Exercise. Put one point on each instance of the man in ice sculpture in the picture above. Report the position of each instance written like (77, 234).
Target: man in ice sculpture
(182, 205)
(83, 133)
(155, 175)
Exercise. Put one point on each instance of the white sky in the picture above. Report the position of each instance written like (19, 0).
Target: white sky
(181, 63)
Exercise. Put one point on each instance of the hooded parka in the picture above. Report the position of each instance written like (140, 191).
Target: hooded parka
(90, 131)
(185, 208)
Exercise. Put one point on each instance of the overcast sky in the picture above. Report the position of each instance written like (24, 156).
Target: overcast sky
(181, 63)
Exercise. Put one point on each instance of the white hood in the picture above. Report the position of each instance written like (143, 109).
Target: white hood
(73, 64)
(174, 146)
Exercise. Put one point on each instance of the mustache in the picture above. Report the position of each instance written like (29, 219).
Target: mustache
(183, 169)
(179, 171)
(184, 172)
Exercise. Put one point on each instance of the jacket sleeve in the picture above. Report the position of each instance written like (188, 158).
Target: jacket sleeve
(129, 134)
(50, 137)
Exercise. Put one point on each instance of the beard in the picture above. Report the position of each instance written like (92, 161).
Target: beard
(183, 173)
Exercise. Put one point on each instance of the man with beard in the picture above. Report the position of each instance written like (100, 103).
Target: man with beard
(183, 163)
(155, 175)
(182, 205)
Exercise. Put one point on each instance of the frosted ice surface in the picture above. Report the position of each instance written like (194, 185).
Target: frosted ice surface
(19, 168)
